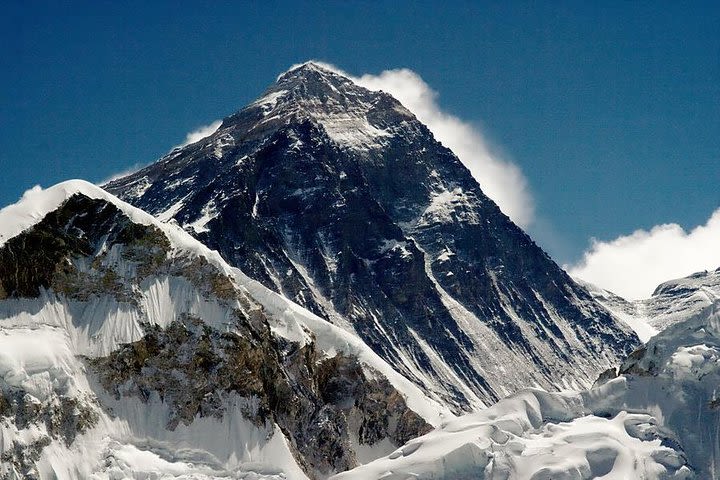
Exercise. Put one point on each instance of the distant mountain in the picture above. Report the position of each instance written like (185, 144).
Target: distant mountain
(671, 302)
(338, 198)
(657, 416)
(675, 300)
(130, 350)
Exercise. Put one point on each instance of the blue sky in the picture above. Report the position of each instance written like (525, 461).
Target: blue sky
(612, 110)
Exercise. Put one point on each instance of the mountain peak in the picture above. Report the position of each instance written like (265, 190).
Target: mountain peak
(314, 79)
(339, 198)
(311, 66)
(352, 116)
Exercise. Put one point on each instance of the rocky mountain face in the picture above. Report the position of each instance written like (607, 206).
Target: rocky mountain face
(134, 347)
(671, 302)
(340, 199)
(125, 344)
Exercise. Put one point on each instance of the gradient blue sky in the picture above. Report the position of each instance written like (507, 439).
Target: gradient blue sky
(611, 110)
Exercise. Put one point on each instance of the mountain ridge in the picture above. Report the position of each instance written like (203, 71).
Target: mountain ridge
(320, 289)
(124, 338)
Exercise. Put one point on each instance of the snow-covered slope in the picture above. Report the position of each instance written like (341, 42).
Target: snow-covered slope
(534, 435)
(656, 417)
(339, 198)
(670, 303)
(128, 350)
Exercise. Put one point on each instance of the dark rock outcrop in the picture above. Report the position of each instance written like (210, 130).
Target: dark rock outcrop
(63, 418)
(193, 368)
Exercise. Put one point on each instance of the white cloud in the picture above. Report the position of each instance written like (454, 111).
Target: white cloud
(633, 265)
(500, 179)
(200, 133)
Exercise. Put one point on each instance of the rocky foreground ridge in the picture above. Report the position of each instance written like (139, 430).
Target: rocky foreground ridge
(115, 326)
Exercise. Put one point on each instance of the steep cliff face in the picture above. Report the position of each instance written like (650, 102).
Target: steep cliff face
(340, 199)
(122, 339)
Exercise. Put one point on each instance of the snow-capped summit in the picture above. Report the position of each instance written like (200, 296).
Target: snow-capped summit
(340, 199)
(352, 116)
(677, 299)
(317, 77)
